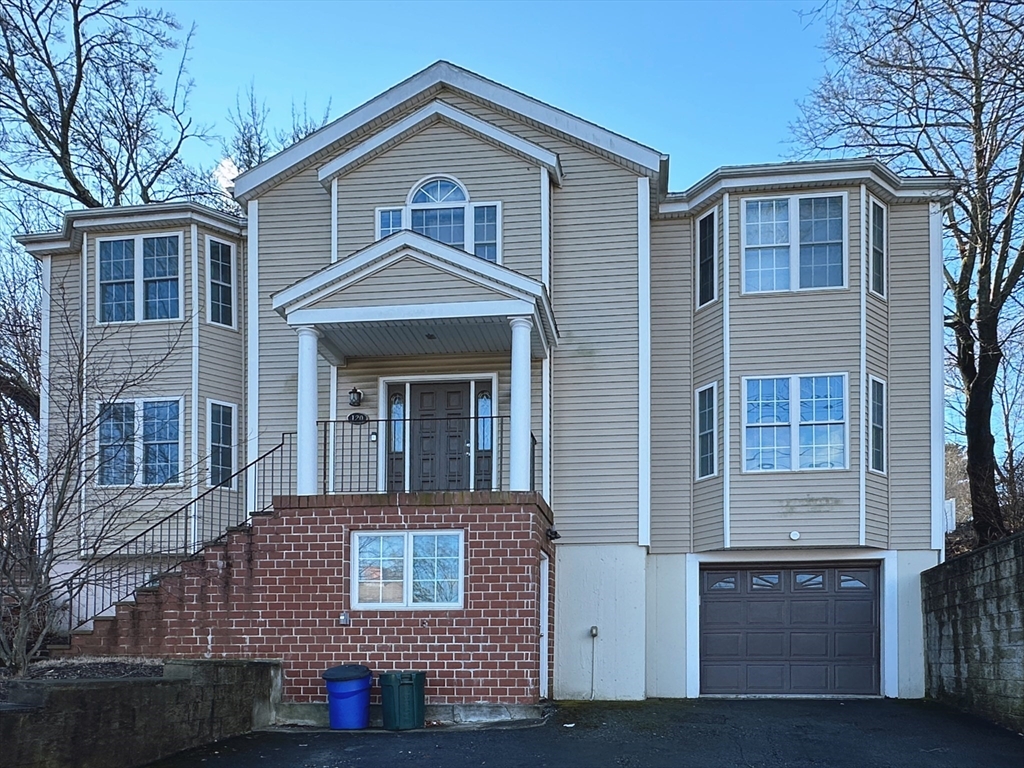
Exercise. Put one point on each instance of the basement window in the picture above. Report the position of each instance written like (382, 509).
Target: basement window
(410, 569)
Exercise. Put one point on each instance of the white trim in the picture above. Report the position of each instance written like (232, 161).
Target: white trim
(713, 386)
(727, 375)
(405, 312)
(439, 109)
(171, 218)
(334, 220)
(887, 592)
(139, 280)
(458, 261)
(872, 200)
(332, 437)
(46, 301)
(210, 402)
(407, 569)
(714, 261)
(85, 303)
(139, 446)
(545, 624)
(193, 460)
(252, 327)
(460, 79)
(890, 629)
(938, 537)
(545, 450)
(235, 309)
(865, 453)
(800, 174)
(869, 418)
(794, 241)
(643, 226)
(545, 229)
(382, 415)
(795, 423)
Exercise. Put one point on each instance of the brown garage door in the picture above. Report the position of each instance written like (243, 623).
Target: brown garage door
(789, 630)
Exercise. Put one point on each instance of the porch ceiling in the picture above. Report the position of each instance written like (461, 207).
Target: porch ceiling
(447, 336)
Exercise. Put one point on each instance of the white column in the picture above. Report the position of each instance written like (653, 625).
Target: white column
(306, 459)
(519, 439)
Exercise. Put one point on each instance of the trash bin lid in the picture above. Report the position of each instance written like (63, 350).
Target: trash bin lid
(346, 672)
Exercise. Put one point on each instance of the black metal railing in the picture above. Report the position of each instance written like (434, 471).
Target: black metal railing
(113, 570)
(437, 454)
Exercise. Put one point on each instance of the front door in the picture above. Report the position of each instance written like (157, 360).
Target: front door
(439, 436)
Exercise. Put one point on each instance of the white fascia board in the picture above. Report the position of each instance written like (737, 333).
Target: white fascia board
(643, 213)
(472, 266)
(542, 156)
(899, 188)
(410, 312)
(936, 286)
(443, 73)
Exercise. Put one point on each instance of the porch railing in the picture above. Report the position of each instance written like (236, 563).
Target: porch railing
(385, 455)
(112, 571)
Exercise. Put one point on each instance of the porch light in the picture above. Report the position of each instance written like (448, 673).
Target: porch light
(355, 397)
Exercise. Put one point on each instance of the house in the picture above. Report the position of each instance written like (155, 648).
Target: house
(463, 341)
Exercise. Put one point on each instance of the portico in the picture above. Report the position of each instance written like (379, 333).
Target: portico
(464, 305)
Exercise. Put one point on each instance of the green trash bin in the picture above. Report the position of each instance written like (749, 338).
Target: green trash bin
(401, 695)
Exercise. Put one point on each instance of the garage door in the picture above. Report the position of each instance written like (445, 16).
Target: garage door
(789, 630)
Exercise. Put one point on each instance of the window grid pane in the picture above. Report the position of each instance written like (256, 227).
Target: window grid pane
(381, 569)
(706, 277)
(116, 444)
(221, 444)
(877, 249)
(117, 281)
(485, 232)
(390, 222)
(221, 299)
(821, 242)
(435, 560)
(160, 442)
(878, 426)
(822, 422)
(706, 432)
(160, 277)
(768, 420)
(439, 191)
(767, 246)
(446, 225)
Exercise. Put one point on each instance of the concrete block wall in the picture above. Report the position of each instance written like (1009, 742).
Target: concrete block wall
(276, 590)
(974, 631)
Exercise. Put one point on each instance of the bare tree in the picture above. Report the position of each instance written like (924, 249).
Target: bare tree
(937, 87)
(86, 117)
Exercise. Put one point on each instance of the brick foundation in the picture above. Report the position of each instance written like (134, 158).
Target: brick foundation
(276, 590)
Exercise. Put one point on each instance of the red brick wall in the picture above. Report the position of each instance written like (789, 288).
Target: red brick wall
(276, 591)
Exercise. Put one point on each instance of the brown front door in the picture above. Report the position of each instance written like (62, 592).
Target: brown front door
(439, 437)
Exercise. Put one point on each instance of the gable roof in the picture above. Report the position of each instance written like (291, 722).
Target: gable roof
(443, 73)
(439, 110)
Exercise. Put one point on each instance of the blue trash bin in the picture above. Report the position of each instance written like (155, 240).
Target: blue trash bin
(348, 696)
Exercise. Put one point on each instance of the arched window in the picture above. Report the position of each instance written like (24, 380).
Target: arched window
(439, 208)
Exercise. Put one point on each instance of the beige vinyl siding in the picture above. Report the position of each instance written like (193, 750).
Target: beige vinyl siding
(489, 174)
(672, 427)
(876, 517)
(65, 291)
(785, 333)
(909, 377)
(221, 355)
(708, 367)
(294, 241)
(407, 282)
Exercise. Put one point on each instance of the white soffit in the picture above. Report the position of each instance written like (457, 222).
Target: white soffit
(435, 109)
(444, 73)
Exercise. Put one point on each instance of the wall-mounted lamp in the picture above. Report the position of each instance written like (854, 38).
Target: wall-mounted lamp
(355, 397)
(553, 534)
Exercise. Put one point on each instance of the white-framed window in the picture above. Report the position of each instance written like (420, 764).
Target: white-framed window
(794, 243)
(220, 272)
(707, 259)
(439, 207)
(877, 246)
(877, 425)
(222, 442)
(138, 278)
(706, 403)
(407, 569)
(139, 443)
(808, 411)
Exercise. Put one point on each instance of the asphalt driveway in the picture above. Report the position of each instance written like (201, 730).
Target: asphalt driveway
(671, 733)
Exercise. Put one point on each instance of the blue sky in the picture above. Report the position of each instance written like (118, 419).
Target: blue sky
(710, 83)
